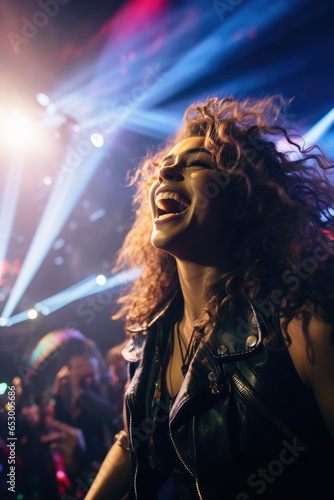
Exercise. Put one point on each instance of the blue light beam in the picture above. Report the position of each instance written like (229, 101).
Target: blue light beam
(80, 290)
(85, 288)
(219, 46)
(319, 129)
(9, 204)
(71, 182)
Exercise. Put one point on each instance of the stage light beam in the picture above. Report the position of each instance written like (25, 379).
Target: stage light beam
(319, 129)
(84, 288)
(9, 204)
(65, 194)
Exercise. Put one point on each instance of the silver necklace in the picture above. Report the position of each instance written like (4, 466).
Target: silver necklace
(185, 356)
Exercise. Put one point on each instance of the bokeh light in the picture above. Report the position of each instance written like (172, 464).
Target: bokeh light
(32, 314)
(100, 279)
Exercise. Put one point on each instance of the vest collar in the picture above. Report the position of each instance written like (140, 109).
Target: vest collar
(238, 338)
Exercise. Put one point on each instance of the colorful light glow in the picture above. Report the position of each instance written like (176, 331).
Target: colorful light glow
(133, 97)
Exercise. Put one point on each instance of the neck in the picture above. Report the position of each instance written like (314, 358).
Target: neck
(193, 281)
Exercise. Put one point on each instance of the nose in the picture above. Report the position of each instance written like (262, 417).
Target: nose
(169, 173)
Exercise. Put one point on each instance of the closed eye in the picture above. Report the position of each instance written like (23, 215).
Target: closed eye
(199, 163)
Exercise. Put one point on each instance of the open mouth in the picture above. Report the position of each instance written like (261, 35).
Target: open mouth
(169, 203)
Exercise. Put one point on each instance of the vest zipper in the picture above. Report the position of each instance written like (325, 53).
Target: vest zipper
(133, 450)
(251, 397)
(182, 461)
(131, 400)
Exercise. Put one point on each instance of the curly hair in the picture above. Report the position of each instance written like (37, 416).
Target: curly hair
(283, 249)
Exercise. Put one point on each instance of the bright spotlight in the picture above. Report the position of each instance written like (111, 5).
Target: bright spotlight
(3, 321)
(18, 130)
(100, 279)
(43, 99)
(97, 140)
(32, 314)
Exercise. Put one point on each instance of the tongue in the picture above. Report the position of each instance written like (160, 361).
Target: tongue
(171, 206)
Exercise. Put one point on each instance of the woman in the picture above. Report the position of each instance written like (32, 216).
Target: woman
(231, 321)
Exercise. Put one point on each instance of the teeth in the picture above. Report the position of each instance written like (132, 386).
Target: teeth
(168, 195)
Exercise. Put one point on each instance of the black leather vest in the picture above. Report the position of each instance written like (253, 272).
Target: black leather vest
(243, 424)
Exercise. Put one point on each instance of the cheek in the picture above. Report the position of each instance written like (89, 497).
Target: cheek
(213, 200)
(210, 185)
(217, 190)
(216, 185)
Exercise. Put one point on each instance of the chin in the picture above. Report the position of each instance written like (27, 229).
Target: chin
(159, 243)
(171, 245)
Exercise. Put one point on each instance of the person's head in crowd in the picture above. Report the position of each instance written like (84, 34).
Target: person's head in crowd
(117, 364)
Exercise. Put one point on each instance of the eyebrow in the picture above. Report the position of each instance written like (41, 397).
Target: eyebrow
(190, 152)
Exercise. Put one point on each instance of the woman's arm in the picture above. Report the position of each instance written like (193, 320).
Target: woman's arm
(113, 478)
(312, 352)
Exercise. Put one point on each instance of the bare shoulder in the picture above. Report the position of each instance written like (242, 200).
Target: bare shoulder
(312, 352)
